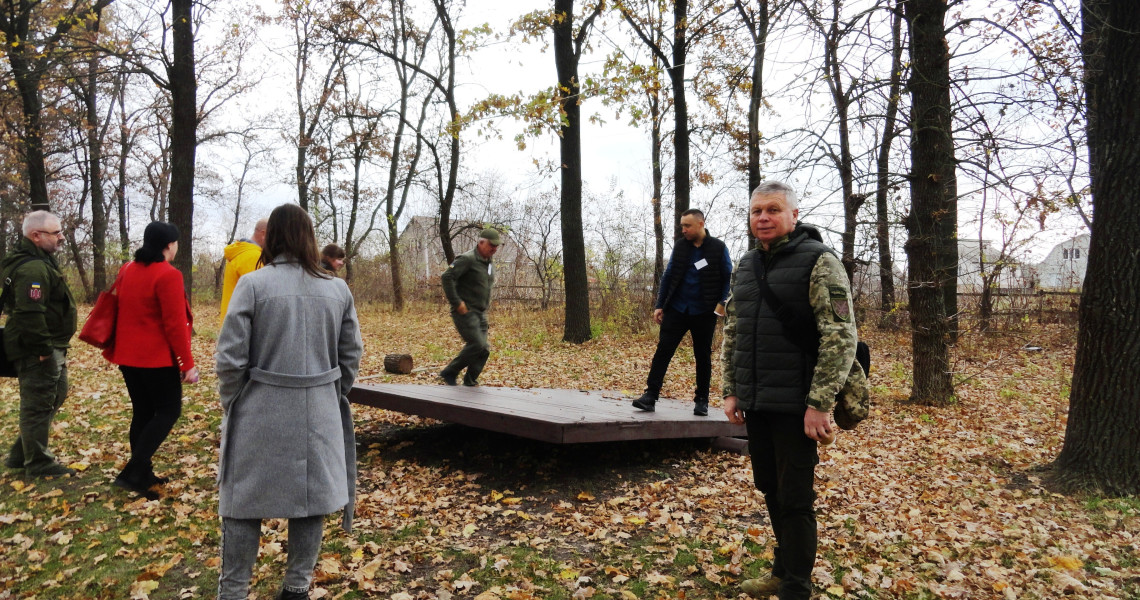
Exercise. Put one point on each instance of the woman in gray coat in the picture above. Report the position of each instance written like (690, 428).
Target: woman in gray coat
(288, 353)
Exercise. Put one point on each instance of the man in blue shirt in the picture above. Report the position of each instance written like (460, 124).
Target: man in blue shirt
(692, 293)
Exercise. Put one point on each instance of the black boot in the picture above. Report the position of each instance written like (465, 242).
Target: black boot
(701, 408)
(133, 480)
(647, 402)
(285, 594)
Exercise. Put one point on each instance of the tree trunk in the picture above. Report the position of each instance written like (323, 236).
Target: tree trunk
(680, 113)
(398, 363)
(844, 164)
(655, 157)
(932, 202)
(758, 30)
(1101, 451)
(448, 198)
(31, 134)
(577, 327)
(883, 182)
(95, 166)
(183, 139)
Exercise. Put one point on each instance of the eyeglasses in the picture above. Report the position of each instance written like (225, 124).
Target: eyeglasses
(56, 233)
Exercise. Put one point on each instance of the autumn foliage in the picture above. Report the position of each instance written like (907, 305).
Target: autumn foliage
(918, 502)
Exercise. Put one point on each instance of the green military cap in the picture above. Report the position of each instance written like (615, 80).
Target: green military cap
(491, 235)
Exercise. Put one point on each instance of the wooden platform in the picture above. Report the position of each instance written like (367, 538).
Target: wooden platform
(556, 416)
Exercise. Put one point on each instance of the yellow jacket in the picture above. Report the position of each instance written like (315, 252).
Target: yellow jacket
(241, 258)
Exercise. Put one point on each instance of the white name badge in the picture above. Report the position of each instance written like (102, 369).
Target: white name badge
(700, 264)
(490, 266)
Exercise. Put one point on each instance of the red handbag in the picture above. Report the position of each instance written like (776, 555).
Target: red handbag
(99, 329)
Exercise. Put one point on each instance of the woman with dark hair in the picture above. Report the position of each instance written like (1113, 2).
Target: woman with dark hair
(332, 258)
(288, 353)
(152, 349)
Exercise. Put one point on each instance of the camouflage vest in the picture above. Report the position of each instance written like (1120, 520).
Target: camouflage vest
(772, 372)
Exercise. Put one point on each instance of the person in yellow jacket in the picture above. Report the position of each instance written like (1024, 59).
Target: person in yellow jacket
(242, 257)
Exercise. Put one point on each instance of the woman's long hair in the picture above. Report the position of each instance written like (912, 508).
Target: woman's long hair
(290, 233)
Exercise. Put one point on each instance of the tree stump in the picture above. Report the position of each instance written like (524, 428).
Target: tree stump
(398, 363)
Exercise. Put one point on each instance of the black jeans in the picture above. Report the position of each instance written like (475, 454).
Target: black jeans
(783, 466)
(156, 403)
(674, 325)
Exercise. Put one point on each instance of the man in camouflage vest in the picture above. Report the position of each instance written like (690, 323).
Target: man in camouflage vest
(467, 284)
(41, 321)
(782, 392)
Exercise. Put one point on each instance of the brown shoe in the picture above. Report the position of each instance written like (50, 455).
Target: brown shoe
(762, 587)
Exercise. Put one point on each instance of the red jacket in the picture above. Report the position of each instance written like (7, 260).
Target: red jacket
(154, 322)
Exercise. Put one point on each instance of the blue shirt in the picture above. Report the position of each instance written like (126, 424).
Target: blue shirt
(687, 299)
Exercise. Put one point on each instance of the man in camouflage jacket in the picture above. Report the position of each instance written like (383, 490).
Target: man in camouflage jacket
(783, 392)
(41, 321)
(467, 284)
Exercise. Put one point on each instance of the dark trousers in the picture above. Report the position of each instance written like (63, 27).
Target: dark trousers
(783, 466)
(674, 325)
(156, 403)
(43, 388)
(472, 327)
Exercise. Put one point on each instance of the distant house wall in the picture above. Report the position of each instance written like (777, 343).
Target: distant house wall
(421, 253)
(976, 258)
(1065, 266)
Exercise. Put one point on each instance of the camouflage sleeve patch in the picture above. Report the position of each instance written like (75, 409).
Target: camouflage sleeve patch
(840, 303)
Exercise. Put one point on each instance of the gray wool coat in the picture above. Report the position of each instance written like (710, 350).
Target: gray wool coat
(288, 353)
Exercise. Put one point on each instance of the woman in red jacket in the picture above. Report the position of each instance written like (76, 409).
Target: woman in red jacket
(152, 349)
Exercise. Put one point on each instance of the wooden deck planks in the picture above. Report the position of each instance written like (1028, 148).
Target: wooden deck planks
(556, 416)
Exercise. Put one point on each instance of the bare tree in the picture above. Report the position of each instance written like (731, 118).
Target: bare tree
(34, 34)
(932, 243)
(1102, 444)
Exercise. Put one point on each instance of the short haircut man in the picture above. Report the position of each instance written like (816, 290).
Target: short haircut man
(771, 356)
(242, 257)
(41, 320)
(692, 293)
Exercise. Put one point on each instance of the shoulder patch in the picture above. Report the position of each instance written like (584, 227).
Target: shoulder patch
(35, 292)
(840, 304)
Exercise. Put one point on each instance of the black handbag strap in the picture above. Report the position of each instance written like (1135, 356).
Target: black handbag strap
(797, 330)
(8, 282)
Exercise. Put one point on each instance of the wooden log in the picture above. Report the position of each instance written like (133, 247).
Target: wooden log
(398, 363)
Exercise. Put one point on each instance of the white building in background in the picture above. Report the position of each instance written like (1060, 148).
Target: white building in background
(976, 257)
(1065, 266)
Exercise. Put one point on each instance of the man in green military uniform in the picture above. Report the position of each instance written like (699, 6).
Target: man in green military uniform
(781, 381)
(467, 285)
(40, 324)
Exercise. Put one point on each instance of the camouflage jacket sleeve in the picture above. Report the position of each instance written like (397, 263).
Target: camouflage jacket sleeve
(728, 345)
(830, 296)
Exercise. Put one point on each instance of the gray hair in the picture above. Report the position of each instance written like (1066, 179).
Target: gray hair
(37, 219)
(777, 187)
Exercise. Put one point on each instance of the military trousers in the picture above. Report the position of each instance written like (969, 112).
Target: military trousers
(783, 467)
(43, 388)
(472, 327)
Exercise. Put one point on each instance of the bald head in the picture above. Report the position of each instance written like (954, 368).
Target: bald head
(258, 236)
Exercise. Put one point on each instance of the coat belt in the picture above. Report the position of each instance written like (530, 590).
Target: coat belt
(294, 381)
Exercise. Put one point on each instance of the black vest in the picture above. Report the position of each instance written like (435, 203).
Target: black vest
(771, 372)
(711, 277)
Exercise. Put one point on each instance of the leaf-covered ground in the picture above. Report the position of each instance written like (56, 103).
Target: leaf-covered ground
(917, 503)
